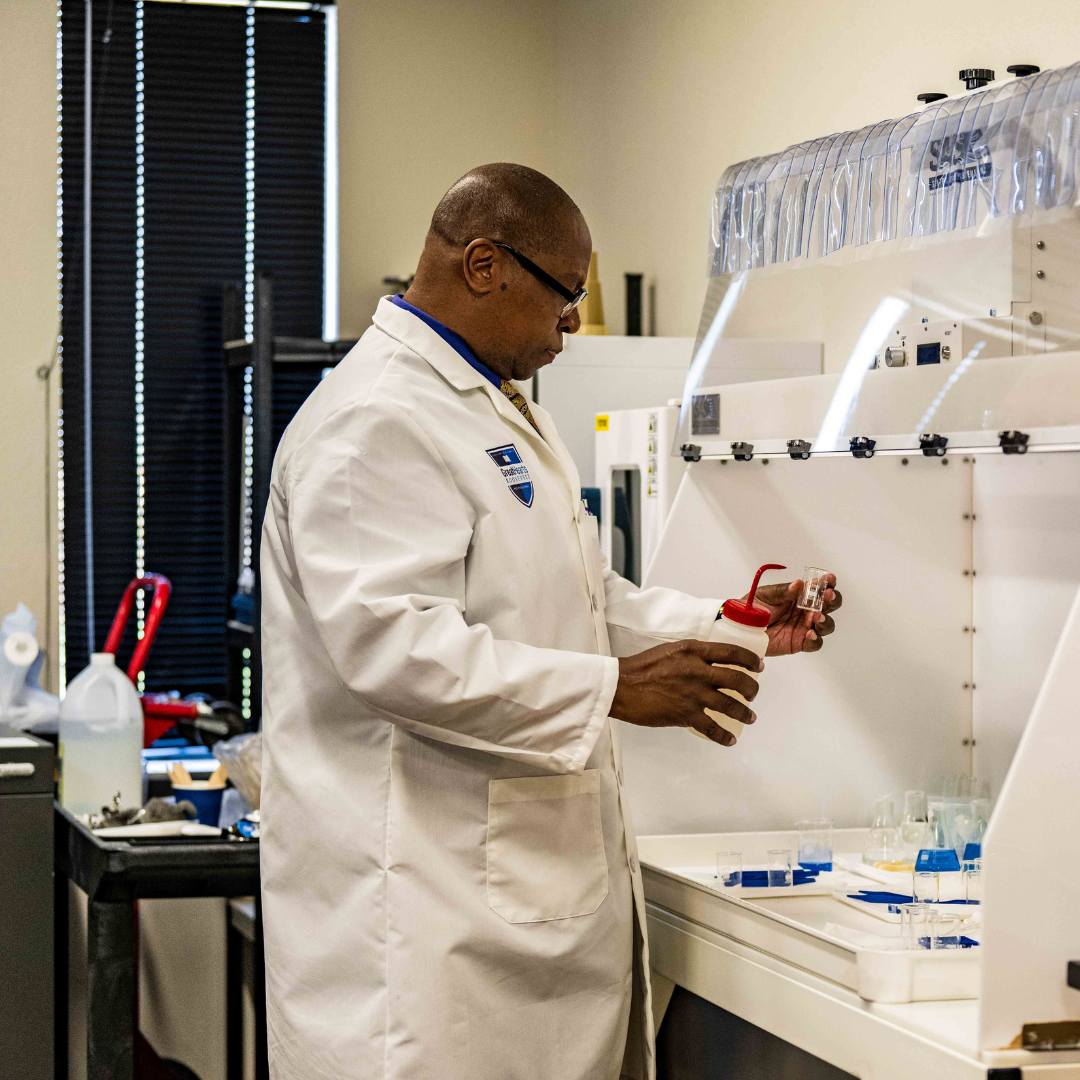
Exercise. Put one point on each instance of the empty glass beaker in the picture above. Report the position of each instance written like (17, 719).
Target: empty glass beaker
(729, 868)
(973, 881)
(944, 929)
(915, 925)
(779, 867)
(883, 844)
(812, 597)
(815, 844)
(925, 886)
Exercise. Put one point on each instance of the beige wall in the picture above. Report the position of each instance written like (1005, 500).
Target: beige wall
(427, 90)
(664, 97)
(635, 107)
(28, 299)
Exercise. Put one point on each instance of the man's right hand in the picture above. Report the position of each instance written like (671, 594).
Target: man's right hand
(672, 685)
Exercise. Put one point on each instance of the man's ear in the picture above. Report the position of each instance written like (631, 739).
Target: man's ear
(480, 263)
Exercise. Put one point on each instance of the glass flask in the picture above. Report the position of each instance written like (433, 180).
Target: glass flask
(937, 853)
(913, 827)
(883, 845)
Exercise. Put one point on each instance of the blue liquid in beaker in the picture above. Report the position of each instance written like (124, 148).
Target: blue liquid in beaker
(816, 867)
(937, 860)
(972, 851)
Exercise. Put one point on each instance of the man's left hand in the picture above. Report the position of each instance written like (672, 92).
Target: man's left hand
(790, 629)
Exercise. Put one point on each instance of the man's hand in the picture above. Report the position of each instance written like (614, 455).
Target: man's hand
(672, 685)
(791, 629)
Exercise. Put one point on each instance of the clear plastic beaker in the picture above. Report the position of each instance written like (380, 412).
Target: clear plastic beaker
(925, 886)
(779, 867)
(729, 868)
(883, 844)
(815, 844)
(812, 597)
(944, 929)
(915, 925)
(973, 881)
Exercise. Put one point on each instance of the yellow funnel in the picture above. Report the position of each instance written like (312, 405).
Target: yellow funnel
(592, 307)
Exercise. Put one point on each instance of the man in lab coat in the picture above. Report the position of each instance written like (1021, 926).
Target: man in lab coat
(450, 879)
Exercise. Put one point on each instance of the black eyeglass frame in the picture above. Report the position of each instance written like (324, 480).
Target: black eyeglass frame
(573, 299)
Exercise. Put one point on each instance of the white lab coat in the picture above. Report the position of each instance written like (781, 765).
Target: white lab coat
(450, 878)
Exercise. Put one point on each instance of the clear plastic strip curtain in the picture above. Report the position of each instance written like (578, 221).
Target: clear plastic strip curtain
(1000, 152)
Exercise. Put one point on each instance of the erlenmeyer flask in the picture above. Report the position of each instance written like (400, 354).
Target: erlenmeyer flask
(937, 854)
(883, 844)
(914, 826)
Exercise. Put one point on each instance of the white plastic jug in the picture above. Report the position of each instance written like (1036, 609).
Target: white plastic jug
(101, 738)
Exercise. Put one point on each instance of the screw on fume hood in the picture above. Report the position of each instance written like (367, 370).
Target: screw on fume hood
(973, 78)
(1040, 274)
(1022, 70)
(903, 461)
(967, 742)
(925, 320)
(1035, 318)
(1040, 244)
(993, 313)
(931, 96)
(969, 686)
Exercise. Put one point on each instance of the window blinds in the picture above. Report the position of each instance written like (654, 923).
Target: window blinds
(208, 152)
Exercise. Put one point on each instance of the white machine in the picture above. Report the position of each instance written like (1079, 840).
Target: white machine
(637, 476)
(934, 468)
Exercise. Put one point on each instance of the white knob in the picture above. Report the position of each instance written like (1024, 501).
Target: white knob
(21, 648)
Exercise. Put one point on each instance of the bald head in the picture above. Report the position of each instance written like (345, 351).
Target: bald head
(512, 318)
(509, 203)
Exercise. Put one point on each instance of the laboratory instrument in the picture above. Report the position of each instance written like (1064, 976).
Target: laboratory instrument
(925, 886)
(883, 843)
(944, 929)
(729, 868)
(915, 925)
(815, 844)
(937, 854)
(812, 596)
(973, 881)
(914, 825)
(779, 867)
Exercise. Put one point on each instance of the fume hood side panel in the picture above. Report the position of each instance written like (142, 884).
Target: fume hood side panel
(1027, 559)
(886, 705)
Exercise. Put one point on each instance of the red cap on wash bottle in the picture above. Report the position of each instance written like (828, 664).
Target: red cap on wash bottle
(745, 611)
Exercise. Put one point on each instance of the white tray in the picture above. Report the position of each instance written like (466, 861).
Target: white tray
(824, 886)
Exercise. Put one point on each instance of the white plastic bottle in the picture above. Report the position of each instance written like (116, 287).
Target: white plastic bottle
(101, 738)
(742, 623)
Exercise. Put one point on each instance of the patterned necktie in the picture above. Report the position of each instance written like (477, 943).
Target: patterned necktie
(517, 399)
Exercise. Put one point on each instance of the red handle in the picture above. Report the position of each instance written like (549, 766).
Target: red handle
(162, 588)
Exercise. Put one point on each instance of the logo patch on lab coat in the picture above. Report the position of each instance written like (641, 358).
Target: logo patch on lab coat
(515, 472)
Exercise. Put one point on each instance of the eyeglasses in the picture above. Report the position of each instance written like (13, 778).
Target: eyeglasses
(572, 298)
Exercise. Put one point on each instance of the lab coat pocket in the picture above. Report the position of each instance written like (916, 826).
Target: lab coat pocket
(589, 537)
(545, 847)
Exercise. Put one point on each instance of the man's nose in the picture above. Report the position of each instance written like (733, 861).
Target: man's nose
(572, 323)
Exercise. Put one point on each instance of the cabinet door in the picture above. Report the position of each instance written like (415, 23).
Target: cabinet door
(26, 936)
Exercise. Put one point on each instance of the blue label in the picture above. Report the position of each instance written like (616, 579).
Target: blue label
(514, 471)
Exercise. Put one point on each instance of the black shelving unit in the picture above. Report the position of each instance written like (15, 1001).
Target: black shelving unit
(263, 352)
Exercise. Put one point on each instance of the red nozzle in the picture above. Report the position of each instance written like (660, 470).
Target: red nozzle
(757, 578)
(745, 611)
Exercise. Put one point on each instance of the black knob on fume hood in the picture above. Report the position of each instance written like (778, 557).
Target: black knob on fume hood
(973, 78)
(1020, 70)
(935, 95)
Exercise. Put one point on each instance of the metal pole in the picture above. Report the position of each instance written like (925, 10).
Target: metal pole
(88, 455)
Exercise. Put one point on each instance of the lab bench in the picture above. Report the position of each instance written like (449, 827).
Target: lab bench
(114, 874)
(772, 962)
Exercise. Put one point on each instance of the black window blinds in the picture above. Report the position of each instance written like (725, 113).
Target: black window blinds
(206, 185)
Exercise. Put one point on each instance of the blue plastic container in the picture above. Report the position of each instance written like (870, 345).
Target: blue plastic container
(207, 802)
